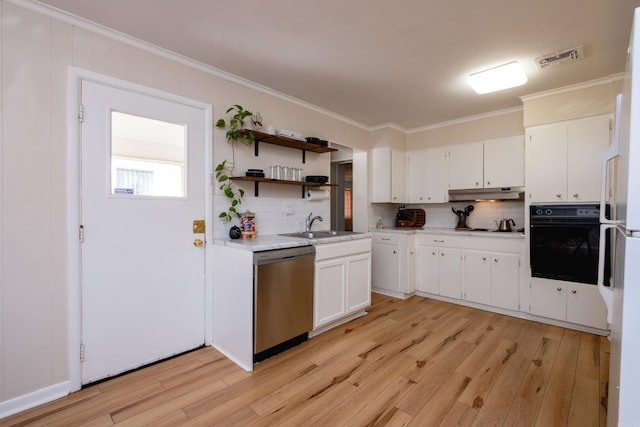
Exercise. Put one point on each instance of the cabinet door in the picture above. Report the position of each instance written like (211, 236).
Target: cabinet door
(466, 166)
(387, 175)
(504, 162)
(329, 301)
(585, 306)
(417, 176)
(587, 140)
(398, 176)
(477, 277)
(380, 175)
(428, 175)
(451, 273)
(358, 282)
(546, 163)
(428, 269)
(385, 272)
(505, 275)
(548, 299)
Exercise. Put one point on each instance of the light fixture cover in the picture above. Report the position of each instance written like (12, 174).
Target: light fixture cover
(498, 78)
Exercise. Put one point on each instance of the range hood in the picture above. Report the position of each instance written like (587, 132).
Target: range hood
(505, 193)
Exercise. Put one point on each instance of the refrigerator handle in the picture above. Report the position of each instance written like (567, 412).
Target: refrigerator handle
(612, 152)
(606, 292)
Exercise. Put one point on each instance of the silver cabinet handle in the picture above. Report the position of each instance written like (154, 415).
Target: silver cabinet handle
(574, 291)
(438, 241)
(558, 289)
(575, 195)
(558, 195)
(484, 258)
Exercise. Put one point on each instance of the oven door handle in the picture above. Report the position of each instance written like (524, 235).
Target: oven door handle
(606, 292)
(612, 152)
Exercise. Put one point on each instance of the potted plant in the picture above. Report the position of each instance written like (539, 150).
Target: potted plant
(224, 170)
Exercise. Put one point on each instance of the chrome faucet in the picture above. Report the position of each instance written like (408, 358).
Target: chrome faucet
(309, 221)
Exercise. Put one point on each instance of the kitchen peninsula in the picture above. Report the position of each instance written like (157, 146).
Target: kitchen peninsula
(341, 286)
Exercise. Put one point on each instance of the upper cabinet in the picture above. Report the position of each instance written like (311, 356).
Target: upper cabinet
(493, 163)
(387, 175)
(564, 160)
(504, 162)
(427, 175)
(466, 168)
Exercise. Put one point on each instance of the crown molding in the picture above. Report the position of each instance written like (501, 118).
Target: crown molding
(571, 88)
(466, 119)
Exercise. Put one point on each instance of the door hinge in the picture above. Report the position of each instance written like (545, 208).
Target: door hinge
(610, 124)
(81, 113)
(81, 352)
(81, 233)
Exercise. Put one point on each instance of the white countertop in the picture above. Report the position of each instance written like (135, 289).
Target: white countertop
(493, 234)
(275, 241)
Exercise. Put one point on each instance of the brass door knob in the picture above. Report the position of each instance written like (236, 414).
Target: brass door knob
(198, 243)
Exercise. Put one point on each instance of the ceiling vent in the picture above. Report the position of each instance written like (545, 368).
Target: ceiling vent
(558, 58)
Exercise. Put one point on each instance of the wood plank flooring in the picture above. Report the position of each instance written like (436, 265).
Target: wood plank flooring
(415, 362)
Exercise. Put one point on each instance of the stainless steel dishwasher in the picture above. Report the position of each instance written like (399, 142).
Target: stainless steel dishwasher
(283, 299)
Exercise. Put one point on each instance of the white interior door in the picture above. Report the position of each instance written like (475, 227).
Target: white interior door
(143, 185)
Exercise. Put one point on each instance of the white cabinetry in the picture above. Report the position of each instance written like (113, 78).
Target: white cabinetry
(493, 163)
(428, 175)
(342, 280)
(492, 271)
(439, 262)
(567, 301)
(466, 168)
(564, 160)
(393, 264)
(504, 162)
(387, 175)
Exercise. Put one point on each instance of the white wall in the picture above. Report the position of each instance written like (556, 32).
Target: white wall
(36, 51)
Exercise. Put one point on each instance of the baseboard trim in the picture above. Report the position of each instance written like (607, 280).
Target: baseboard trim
(33, 399)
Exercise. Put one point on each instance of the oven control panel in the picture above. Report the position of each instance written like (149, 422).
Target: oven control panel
(566, 211)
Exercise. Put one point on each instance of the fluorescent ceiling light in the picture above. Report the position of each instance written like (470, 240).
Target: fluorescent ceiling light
(498, 78)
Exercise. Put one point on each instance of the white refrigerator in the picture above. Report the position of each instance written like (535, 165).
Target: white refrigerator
(622, 297)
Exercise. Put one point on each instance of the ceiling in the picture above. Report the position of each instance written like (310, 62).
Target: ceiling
(378, 61)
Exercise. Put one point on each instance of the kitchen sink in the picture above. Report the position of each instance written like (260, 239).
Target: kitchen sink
(318, 234)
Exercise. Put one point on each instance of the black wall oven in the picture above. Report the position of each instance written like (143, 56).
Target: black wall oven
(564, 242)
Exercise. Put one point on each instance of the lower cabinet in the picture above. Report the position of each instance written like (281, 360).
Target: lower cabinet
(439, 265)
(492, 278)
(567, 301)
(393, 264)
(342, 280)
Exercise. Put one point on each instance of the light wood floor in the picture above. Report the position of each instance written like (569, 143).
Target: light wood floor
(414, 362)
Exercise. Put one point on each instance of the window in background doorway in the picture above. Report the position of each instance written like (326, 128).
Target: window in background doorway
(147, 156)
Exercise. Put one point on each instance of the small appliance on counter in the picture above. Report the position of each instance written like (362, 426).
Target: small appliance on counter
(504, 225)
(462, 217)
(410, 218)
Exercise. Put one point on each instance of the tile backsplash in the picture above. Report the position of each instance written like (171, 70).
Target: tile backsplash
(274, 215)
(440, 215)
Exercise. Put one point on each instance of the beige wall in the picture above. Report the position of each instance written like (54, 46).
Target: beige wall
(584, 100)
(36, 53)
(496, 125)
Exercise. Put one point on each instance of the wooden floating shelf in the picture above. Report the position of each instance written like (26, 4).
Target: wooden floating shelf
(283, 141)
(257, 180)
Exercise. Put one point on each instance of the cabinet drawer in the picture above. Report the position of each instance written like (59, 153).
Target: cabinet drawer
(439, 240)
(491, 244)
(386, 238)
(342, 249)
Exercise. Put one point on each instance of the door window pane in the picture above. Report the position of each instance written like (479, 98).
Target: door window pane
(147, 156)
